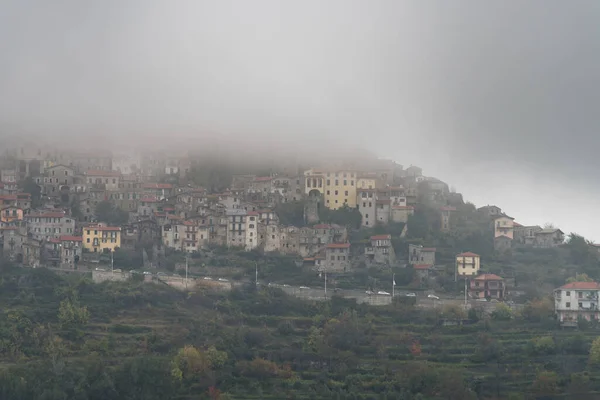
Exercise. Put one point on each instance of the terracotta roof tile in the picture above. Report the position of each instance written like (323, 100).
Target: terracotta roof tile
(381, 237)
(338, 246)
(581, 285)
(467, 254)
(488, 277)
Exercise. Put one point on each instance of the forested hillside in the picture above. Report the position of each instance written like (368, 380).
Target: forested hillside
(65, 338)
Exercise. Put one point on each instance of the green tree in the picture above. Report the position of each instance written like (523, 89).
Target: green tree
(112, 215)
(29, 186)
(580, 278)
(71, 315)
(344, 216)
(594, 358)
(502, 312)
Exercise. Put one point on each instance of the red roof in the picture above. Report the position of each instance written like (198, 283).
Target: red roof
(103, 228)
(54, 240)
(428, 249)
(403, 208)
(338, 246)
(252, 213)
(383, 201)
(262, 179)
(467, 254)
(581, 285)
(47, 215)
(517, 225)
(103, 173)
(381, 237)
(158, 186)
(422, 266)
(488, 277)
(8, 197)
(149, 200)
(70, 238)
(322, 226)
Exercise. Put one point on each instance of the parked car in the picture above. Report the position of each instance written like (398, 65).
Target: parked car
(411, 295)
(383, 292)
(207, 278)
(147, 273)
(433, 296)
(303, 287)
(161, 274)
(482, 299)
(369, 292)
(100, 269)
(286, 285)
(117, 270)
(222, 280)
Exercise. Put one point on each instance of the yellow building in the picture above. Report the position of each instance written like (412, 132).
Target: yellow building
(467, 264)
(98, 238)
(368, 181)
(340, 189)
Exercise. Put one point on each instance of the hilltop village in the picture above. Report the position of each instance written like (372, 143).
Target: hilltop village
(286, 278)
(68, 210)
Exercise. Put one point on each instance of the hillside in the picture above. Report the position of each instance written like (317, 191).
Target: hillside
(65, 338)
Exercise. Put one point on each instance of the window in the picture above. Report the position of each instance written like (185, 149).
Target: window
(336, 192)
(345, 182)
(568, 293)
(346, 193)
(352, 184)
(328, 182)
(337, 182)
(328, 192)
(272, 236)
(367, 216)
(568, 304)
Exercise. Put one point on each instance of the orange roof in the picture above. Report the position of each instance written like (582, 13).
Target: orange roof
(428, 249)
(381, 237)
(262, 179)
(338, 245)
(422, 266)
(467, 254)
(102, 173)
(403, 208)
(158, 186)
(488, 277)
(581, 285)
(252, 213)
(149, 200)
(67, 238)
(516, 224)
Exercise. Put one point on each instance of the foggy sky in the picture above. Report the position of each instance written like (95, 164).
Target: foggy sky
(498, 98)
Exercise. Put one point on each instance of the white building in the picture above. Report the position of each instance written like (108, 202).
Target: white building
(576, 300)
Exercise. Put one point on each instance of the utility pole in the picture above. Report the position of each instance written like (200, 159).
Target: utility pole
(186, 270)
(326, 284)
(256, 273)
(112, 262)
(393, 284)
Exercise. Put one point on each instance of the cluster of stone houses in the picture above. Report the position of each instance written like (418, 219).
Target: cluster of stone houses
(509, 234)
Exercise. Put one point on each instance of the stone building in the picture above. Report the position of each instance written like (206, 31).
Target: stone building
(337, 257)
(49, 224)
(421, 255)
(381, 250)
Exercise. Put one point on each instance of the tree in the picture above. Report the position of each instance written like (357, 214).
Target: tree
(594, 358)
(502, 312)
(580, 278)
(29, 186)
(344, 216)
(545, 384)
(107, 212)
